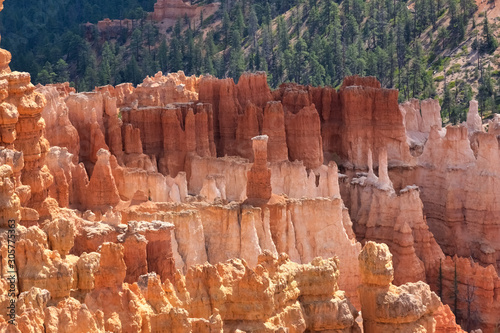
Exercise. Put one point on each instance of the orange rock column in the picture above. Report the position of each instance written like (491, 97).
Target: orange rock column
(259, 176)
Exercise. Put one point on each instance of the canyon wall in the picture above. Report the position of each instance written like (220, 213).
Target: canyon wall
(200, 204)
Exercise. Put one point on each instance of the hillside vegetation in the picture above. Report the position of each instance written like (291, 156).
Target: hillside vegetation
(426, 48)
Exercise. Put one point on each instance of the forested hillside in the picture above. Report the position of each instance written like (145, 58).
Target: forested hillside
(426, 48)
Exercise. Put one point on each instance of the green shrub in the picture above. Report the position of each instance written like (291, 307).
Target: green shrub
(439, 78)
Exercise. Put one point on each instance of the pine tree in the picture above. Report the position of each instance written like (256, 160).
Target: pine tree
(351, 30)
(107, 68)
(226, 29)
(253, 25)
(283, 39)
(91, 75)
(175, 55)
(240, 21)
(447, 101)
(417, 68)
(136, 42)
(178, 29)
(46, 75)
(300, 62)
(382, 64)
(61, 70)
(431, 4)
(148, 65)
(104, 73)
(133, 72)
(490, 43)
(163, 56)
(208, 60)
(236, 60)
(266, 43)
(150, 34)
(485, 91)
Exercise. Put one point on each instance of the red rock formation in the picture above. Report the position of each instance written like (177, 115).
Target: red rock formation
(186, 130)
(419, 118)
(59, 162)
(29, 134)
(59, 131)
(162, 90)
(304, 137)
(273, 125)
(259, 176)
(39, 267)
(294, 97)
(247, 128)
(355, 80)
(168, 11)
(101, 190)
(381, 215)
(387, 308)
(8, 116)
(86, 113)
(122, 273)
(112, 269)
(253, 88)
(10, 210)
(477, 288)
(452, 180)
(244, 298)
(371, 120)
(171, 133)
(132, 139)
(223, 96)
(445, 321)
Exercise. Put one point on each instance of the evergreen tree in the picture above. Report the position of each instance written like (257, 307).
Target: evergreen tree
(490, 43)
(253, 25)
(485, 94)
(267, 46)
(150, 35)
(226, 29)
(47, 74)
(283, 39)
(175, 55)
(133, 72)
(61, 70)
(240, 21)
(351, 30)
(91, 75)
(107, 68)
(136, 42)
(300, 62)
(447, 101)
(236, 60)
(163, 56)
(417, 68)
(208, 61)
